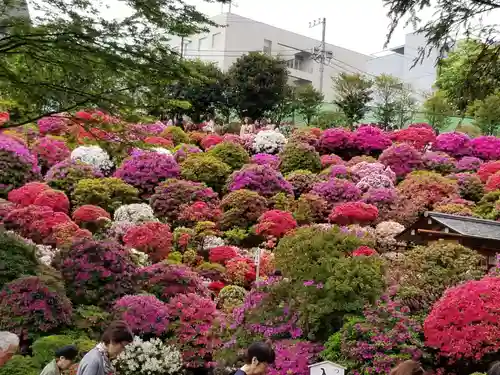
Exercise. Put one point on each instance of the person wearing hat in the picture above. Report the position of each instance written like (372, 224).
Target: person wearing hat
(64, 358)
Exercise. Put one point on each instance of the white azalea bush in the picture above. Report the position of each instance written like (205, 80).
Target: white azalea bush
(151, 357)
(269, 142)
(139, 258)
(161, 150)
(135, 213)
(209, 242)
(95, 156)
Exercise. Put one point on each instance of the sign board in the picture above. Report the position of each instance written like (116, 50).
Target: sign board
(257, 254)
(326, 368)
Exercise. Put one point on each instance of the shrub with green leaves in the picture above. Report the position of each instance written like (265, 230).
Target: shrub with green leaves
(241, 209)
(17, 257)
(20, 365)
(107, 193)
(206, 168)
(176, 134)
(297, 156)
(489, 206)
(229, 297)
(230, 153)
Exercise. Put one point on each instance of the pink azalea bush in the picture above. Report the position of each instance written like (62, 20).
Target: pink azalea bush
(294, 357)
(272, 161)
(402, 159)
(332, 159)
(468, 164)
(439, 162)
(66, 174)
(486, 147)
(50, 151)
(369, 139)
(334, 140)
(455, 144)
(336, 191)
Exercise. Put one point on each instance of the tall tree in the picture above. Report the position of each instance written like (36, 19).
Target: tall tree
(73, 54)
(386, 89)
(309, 101)
(257, 84)
(486, 114)
(437, 111)
(353, 93)
(406, 106)
(285, 108)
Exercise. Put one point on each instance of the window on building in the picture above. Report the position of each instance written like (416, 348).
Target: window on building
(187, 45)
(215, 40)
(268, 46)
(202, 44)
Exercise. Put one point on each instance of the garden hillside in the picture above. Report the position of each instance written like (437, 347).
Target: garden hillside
(180, 232)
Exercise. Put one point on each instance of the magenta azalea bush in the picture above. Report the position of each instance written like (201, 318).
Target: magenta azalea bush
(294, 357)
(369, 140)
(439, 162)
(272, 161)
(486, 147)
(50, 151)
(455, 144)
(333, 141)
(261, 179)
(402, 159)
(337, 191)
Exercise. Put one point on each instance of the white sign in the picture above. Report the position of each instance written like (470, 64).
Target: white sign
(326, 368)
(258, 251)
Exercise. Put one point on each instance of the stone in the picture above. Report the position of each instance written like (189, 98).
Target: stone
(9, 344)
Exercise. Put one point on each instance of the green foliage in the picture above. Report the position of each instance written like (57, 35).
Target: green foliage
(236, 236)
(108, 193)
(230, 296)
(19, 365)
(230, 153)
(17, 258)
(437, 110)
(385, 92)
(44, 348)
(405, 107)
(427, 271)
(333, 346)
(285, 107)
(489, 206)
(486, 114)
(177, 135)
(308, 102)
(353, 93)
(206, 168)
(257, 84)
(241, 209)
(329, 119)
(297, 156)
(90, 320)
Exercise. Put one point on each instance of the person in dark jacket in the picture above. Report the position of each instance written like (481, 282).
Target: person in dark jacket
(64, 358)
(258, 357)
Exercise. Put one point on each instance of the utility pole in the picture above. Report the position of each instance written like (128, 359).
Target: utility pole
(182, 47)
(322, 56)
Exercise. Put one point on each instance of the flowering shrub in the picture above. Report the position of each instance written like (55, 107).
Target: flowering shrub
(275, 223)
(402, 159)
(17, 257)
(310, 208)
(268, 142)
(468, 164)
(108, 193)
(26, 194)
(158, 141)
(353, 213)
(176, 134)
(55, 199)
(366, 169)
(297, 156)
(28, 307)
(415, 137)
(212, 271)
(334, 140)
(145, 315)
(207, 169)
(221, 254)
(329, 160)
(135, 213)
(151, 357)
(260, 179)
(489, 206)
(439, 162)
(167, 280)
(385, 233)
(50, 151)
(183, 150)
(147, 170)
(194, 319)
(375, 181)
(53, 125)
(470, 186)
(229, 297)
(336, 191)
(306, 135)
(95, 156)
(66, 174)
(241, 208)
(360, 159)
(302, 181)
(294, 357)
(97, 272)
(152, 238)
(493, 182)
(336, 171)
(198, 211)
(455, 144)
(240, 271)
(488, 169)
(270, 160)
(172, 194)
(210, 141)
(230, 153)
(486, 147)
(463, 324)
(369, 139)
(363, 251)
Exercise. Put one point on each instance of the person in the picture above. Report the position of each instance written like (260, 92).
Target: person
(494, 369)
(258, 357)
(114, 340)
(64, 358)
(408, 367)
(247, 127)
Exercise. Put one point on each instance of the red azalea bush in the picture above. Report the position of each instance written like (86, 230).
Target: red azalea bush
(294, 357)
(152, 238)
(332, 159)
(465, 323)
(89, 214)
(493, 183)
(97, 272)
(487, 170)
(221, 254)
(54, 199)
(29, 307)
(26, 194)
(240, 271)
(145, 315)
(415, 137)
(486, 147)
(242, 208)
(65, 234)
(172, 194)
(190, 214)
(402, 159)
(275, 223)
(455, 144)
(353, 213)
(194, 319)
(159, 141)
(166, 281)
(210, 141)
(369, 139)
(363, 251)
(50, 151)
(336, 191)
(334, 140)
(146, 170)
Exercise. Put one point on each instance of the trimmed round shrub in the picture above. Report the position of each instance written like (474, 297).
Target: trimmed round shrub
(26, 194)
(418, 138)
(488, 169)
(470, 186)
(97, 272)
(55, 199)
(329, 160)
(153, 238)
(273, 161)
(172, 194)
(369, 139)
(360, 159)
(95, 156)
(275, 223)
(493, 183)
(207, 169)
(336, 171)
(176, 134)
(353, 213)
(158, 141)
(268, 142)
(166, 281)
(334, 141)
(44, 348)
(489, 206)
(89, 215)
(19, 365)
(260, 179)
(54, 125)
(402, 159)
(439, 162)
(242, 209)
(306, 135)
(297, 156)
(191, 214)
(66, 175)
(147, 170)
(210, 141)
(108, 193)
(427, 188)
(17, 257)
(230, 153)
(455, 144)
(50, 151)
(366, 169)
(468, 164)
(211, 271)
(221, 254)
(486, 147)
(464, 323)
(182, 151)
(380, 197)
(310, 208)
(241, 271)
(28, 307)
(336, 191)
(302, 181)
(135, 213)
(229, 297)
(146, 315)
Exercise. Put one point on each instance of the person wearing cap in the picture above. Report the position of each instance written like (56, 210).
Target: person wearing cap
(64, 358)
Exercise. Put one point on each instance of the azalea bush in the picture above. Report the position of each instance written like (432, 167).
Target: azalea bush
(485, 147)
(94, 156)
(182, 151)
(54, 199)
(221, 254)
(302, 181)
(294, 357)
(402, 159)
(455, 144)
(66, 175)
(272, 161)
(439, 162)
(297, 156)
(231, 153)
(353, 213)
(337, 191)
(26, 194)
(370, 140)
(211, 140)
(240, 271)
(470, 186)
(334, 141)
(275, 223)
(176, 134)
(50, 151)
(488, 169)
(332, 159)
(268, 142)
(260, 179)
(207, 169)
(310, 208)
(468, 164)
(89, 216)
(230, 297)
(242, 208)
(152, 238)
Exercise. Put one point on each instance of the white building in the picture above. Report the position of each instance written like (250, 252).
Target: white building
(238, 35)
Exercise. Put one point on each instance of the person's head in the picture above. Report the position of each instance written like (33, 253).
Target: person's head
(65, 356)
(258, 357)
(246, 120)
(277, 273)
(409, 367)
(116, 337)
(494, 369)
